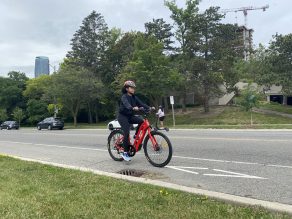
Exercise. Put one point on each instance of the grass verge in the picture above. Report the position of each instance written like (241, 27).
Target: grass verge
(31, 190)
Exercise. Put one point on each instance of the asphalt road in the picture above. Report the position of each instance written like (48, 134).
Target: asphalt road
(255, 164)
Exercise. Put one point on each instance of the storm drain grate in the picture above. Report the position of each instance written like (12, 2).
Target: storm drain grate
(135, 173)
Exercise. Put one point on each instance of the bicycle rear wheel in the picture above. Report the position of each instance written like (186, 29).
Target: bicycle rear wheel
(115, 138)
(158, 155)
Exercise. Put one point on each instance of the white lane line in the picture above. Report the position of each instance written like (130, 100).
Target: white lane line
(231, 139)
(56, 146)
(233, 175)
(228, 173)
(77, 147)
(228, 161)
(180, 169)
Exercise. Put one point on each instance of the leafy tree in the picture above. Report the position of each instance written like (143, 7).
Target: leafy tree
(74, 86)
(280, 56)
(150, 69)
(161, 31)
(213, 50)
(36, 110)
(3, 115)
(18, 114)
(90, 43)
(249, 98)
(184, 19)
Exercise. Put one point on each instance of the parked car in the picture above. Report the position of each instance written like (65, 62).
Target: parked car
(51, 123)
(9, 125)
(116, 125)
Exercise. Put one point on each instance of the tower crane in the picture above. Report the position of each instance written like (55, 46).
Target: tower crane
(245, 10)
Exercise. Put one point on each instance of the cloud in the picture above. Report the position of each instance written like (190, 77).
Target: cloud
(34, 27)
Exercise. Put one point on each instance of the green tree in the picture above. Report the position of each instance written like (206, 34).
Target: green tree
(280, 56)
(90, 43)
(184, 19)
(150, 69)
(74, 86)
(213, 48)
(3, 115)
(161, 31)
(36, 110)
(249, 98)
(18, 115)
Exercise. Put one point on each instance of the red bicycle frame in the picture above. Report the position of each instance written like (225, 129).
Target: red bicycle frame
(143, 130)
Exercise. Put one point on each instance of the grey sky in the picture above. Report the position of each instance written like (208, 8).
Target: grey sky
(30, 28)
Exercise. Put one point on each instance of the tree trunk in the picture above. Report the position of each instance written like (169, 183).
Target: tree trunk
(206, 99)
(89, 114)
(166, 106)
(96, 115)
(75, 121)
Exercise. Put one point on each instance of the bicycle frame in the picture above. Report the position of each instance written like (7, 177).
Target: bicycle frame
(143, 130)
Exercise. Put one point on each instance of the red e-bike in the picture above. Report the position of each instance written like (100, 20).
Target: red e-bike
(157, 147)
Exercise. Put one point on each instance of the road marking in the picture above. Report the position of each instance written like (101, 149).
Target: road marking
(229, 173)
(233, 175)
(230, 161)
(231, 139)
(57, 146)
(77, 147)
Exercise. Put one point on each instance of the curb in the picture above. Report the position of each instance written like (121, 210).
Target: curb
(273, 206)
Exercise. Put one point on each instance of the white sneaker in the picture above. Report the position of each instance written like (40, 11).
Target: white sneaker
(126, 157)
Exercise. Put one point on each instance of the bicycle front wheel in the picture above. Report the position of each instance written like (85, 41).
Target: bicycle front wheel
(158, 154)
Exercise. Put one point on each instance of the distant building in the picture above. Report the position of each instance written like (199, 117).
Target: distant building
(246, 40)
(41, 66)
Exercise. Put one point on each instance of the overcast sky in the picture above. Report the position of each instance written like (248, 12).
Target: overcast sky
(30, 28)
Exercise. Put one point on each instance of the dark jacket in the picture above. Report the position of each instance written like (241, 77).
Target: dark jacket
(128, 103)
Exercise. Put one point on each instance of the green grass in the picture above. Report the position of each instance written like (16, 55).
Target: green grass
(230, 117)
(276, 107)
(31, 190)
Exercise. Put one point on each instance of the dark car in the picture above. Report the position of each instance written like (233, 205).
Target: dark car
(51, 123)
(9, 125)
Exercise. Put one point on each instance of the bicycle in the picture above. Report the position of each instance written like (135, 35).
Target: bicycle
(157, 146)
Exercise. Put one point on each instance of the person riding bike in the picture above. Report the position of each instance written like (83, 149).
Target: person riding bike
(129, 106)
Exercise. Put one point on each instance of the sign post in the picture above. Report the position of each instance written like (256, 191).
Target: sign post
(172, 103)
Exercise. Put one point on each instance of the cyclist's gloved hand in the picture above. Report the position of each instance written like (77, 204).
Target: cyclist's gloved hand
(136, 108)
(152, 108)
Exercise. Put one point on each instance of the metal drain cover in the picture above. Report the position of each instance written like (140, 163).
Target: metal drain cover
(131, 172)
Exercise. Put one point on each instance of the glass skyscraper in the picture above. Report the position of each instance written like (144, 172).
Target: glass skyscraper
(41, 66)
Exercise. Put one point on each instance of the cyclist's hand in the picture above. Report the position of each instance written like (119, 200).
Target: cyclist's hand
(152, 108)
(136, 108)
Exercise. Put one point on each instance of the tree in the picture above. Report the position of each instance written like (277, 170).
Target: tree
(3, 115)
(280, 56)
(74, 86)
(161, 31)
(249, 98)
(90, 42)
(213, 53)
(150, 69)
(18, 115)
(184, 19)
(38, 95)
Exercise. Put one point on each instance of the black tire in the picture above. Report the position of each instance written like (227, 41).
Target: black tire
(112, 150)
(61, 128)
(167, 144)
(39, 127)
(50, 127)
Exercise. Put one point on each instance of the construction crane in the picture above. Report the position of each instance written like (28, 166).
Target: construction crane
(245, 10)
